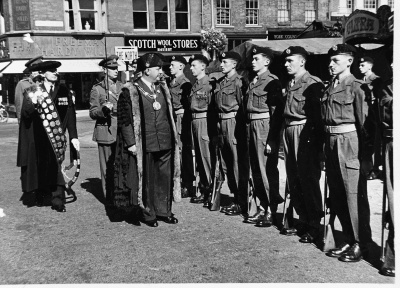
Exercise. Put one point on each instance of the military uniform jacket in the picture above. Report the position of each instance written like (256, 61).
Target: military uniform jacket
(266, 96)
(303, 102)
(19, 93)
(386, 105)
(229, 93)
(200, 95)
(105, 129)
(180, 89)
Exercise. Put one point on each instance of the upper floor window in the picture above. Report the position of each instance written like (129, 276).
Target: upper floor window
(283, 11)
(349, 4)
(370, 4)
(310, 11)
(223, 12)
(161, 14)
(82, 14)
(182, 14)
(391, 4)
(140, 14)
(252, 12)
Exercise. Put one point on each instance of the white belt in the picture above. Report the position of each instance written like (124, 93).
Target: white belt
(255, 116)
(289, 122)
(179, 111)
(227, 115)
(199, 115)
(344, 128)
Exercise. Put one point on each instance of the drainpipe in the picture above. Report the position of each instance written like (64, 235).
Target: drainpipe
(212, 13)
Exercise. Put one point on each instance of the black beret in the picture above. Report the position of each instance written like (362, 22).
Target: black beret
(345, 49)
(45, 66)
(367, 59)
(262, 50)
(295, 50)
(110, 62)
(199, 57)
(179, 58)
(150, 60)
(230, 55)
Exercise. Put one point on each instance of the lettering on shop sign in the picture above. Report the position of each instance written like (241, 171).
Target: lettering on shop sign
(21, 15)
(361, 24)
(164, 44)
(281, 37)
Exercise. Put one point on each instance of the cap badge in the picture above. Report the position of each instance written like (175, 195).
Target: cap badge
(147, 64)
(223, 54)
(254, 50)
(362, 59)
(334, 48)
(288, 51)
(173, 57)
(192, 56)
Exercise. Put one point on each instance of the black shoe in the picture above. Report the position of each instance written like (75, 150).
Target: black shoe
(307, 238)
(197, 200)
(291, 231)
(354, 254)
(151, 223)
(339, 251)
(265, 221)
(234, 211)
(207, 204)
(225, 208)
(386, 271)
(168, 219)
(184, 192)
(254, 218)
(59, 208)
(374, 175)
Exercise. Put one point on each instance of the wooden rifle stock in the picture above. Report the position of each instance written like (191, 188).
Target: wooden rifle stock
(216, 191)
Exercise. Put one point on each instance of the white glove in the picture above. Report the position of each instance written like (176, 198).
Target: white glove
(75, 142)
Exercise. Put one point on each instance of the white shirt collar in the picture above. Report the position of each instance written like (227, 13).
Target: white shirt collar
(48, 85)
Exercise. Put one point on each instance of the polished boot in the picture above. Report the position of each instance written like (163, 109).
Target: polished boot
(225, 208)
(354, 254)
(151, 223)
(169, 219)
(339, 251)
(254, 218)
(234, 211)
(386, 271)
(197, 200)
(310, 236)
(265, 221)
(58, 199)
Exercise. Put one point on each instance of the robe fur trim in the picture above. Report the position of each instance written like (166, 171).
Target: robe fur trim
(137, 126)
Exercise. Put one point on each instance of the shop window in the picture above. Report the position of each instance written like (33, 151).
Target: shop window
(370, 4)
(83, 14)
(252, 11)
(140, 14)
(161, 14)
(283, 11)
(223, 12)
(309, 11)
(182, 14)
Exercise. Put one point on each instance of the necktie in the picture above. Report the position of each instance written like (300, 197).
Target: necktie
(51, 91)
(153, 88)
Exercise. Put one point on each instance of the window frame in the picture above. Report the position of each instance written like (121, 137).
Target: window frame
(281, 9)
(368, 3)
(308, 10)
(181, 12)
(225, 9)
(253, 9)
(168, 12)
(349, 4)
(76, 10)
(147, 17)
(391, 4)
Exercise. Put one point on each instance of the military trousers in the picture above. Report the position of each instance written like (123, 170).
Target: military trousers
(185, 147)
(231, 140)
(348, 186)
(388, 188)
(264, 168)
(303, 172)
(106, 158)
(202, 145)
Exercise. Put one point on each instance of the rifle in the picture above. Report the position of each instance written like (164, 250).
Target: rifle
(216, 191)
(196, 176)
(329, 241)
(284, 219)
(252, 203)
(382, 258)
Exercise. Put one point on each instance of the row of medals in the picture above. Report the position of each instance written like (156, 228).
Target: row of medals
(52, 126)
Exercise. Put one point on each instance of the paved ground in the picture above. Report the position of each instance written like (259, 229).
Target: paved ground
(40, 246)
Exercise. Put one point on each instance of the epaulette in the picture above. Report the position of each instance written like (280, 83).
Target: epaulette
(273, 76)
(25, 79)
(315, 78)
(359, 81)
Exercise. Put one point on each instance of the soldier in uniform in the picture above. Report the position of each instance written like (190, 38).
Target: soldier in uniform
(344, 111)
(228, 99)
(103, 108)
(25, 83)
(385, 118)
(180, 88)
(264, 108)
(202, 124)
(303, 141)
(374, 83)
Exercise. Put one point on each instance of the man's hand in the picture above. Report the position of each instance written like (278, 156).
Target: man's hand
(75, 142)
(132, 149)
(321, 160)
(270, 148)
(107, 107)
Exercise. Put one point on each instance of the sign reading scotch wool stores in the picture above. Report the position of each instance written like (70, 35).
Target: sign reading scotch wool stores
(162, 44)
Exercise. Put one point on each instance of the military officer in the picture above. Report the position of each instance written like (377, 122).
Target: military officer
(344, 111)
(374, 83)
(103, 108)
(303, 141)
(202, 120)
(264, 108)
(228, 98)
(25, 83)
(180, 88)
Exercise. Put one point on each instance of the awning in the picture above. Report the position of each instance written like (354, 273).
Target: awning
(67, 66)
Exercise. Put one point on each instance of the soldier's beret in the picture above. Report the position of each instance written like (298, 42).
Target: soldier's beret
(179, 58)
(199, 57)
(295, 50)
(45, 66)
(110, 62)
(262, 50)
(150, 60)
(342, 49)
(230, 55)
(367, 59)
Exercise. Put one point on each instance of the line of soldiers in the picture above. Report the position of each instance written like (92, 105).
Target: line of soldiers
(236, 126)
